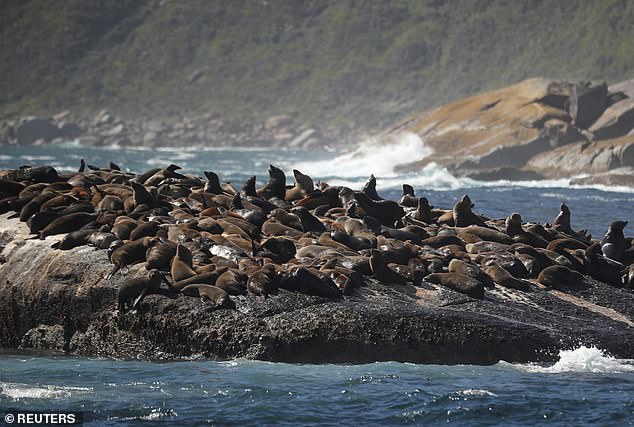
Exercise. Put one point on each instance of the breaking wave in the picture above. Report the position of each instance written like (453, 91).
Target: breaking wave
(584, 360)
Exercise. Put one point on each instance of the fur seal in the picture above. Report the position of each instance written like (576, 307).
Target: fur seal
(310, 282)
(382, 272)
(233, 282)
(264, 281)
(613, 242)
(303, 185)
(514, 228)
(136, 288)
(276, 187)
(67, 223)
(602, 268)
(503, 278)
(471, 270)
(386, 211)
(462, 214)
(309, 222)
(160, 255)
(556, 276)
(215, 295)
(458, 282)
(369, 189)
(208, 278)
(181, 265)
(130, 253)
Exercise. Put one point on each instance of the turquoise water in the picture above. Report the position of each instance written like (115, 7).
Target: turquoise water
(584, 387)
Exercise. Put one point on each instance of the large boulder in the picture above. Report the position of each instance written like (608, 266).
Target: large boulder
(501, 128)
(35, 128)
(538, 127)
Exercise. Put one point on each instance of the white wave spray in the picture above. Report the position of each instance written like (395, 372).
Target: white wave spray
(584, 360)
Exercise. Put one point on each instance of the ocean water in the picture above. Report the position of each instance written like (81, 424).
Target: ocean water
(585, 387)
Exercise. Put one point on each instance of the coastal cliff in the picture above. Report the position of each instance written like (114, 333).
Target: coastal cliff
(60, 300)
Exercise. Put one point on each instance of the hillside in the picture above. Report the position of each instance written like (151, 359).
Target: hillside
(351, 63)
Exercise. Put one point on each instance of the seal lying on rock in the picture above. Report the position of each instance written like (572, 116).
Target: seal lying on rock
(136, 288)
(322, 240)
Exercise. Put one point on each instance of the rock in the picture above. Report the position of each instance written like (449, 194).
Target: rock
(61, 116)
(102, 118)
(115, 131)
(45, 337)
(7, 133)
(587, 103)
(627, 87)
(616, 121)
(156, 126)
(495, 129)
(90, 141)
(585, 158)
(70, 130)
(540, 127)
(284, 135)
(149, 138)
(195, 75)
(276, 122)
(31, 129)
(508, 173)
(302, 138)
(560, 132)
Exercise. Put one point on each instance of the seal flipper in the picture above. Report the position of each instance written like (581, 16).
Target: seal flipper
(139, 298)
(113, 272)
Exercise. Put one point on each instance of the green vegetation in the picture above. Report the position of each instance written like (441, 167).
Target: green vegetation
(362, 62)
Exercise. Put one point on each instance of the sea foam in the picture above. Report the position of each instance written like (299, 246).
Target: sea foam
(583, 360)
(16, 391)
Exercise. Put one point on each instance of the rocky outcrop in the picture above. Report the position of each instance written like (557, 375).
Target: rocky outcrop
(587, 157)
(204, 130)
(537, 127)
(60, 300)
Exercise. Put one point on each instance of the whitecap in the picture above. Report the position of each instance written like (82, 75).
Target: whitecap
(476, 392)
(583, 359)
(36, 158)
(26, 391)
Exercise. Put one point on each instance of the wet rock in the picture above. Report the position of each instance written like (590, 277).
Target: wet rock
(45, 337)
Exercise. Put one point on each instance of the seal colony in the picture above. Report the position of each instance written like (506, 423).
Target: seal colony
(207, 239)
(303, 272)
